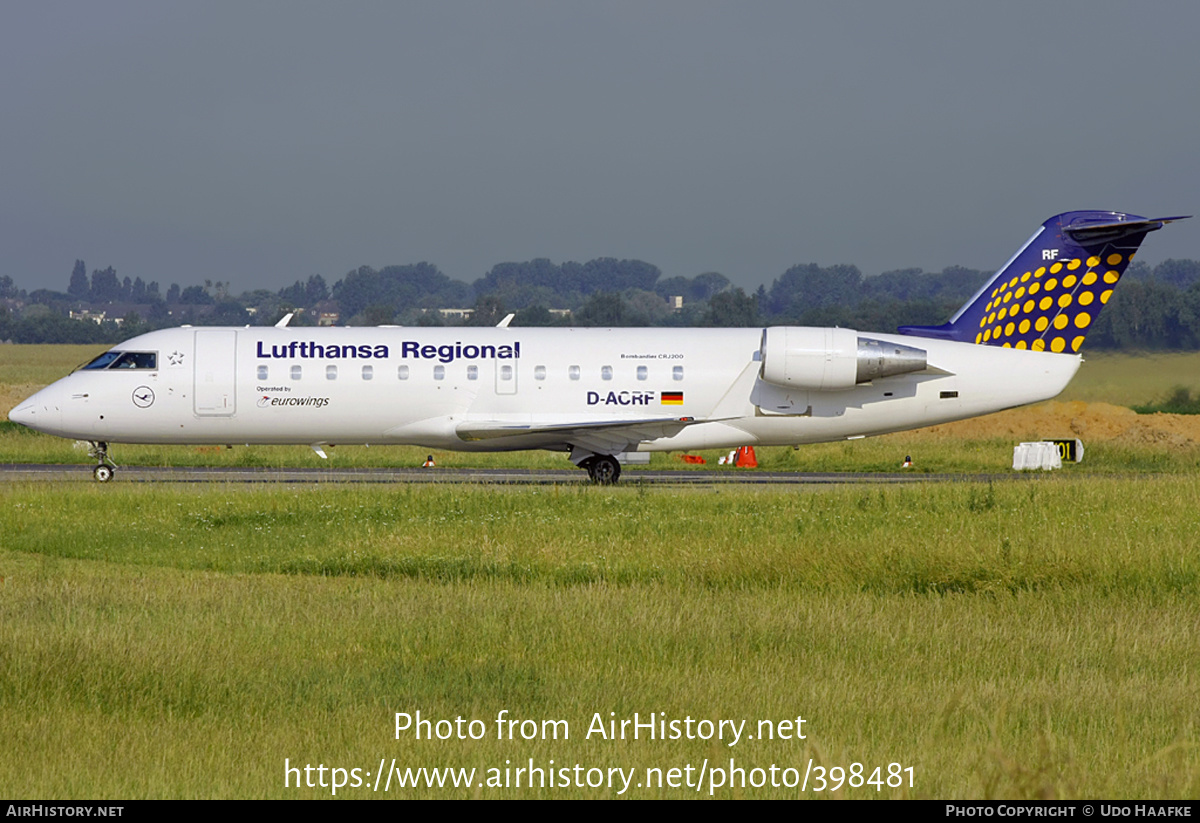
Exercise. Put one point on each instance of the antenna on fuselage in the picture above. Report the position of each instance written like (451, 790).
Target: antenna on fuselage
(283, 321)
(503, 324)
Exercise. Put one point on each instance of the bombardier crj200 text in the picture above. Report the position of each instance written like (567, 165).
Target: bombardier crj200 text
(602, 393)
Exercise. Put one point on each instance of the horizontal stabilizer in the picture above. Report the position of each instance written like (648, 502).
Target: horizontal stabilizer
(1086, 235)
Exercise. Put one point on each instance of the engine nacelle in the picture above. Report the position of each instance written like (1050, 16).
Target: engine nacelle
(826, 359)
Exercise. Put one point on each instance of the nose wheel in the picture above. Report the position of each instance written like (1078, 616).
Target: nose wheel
(106, 468)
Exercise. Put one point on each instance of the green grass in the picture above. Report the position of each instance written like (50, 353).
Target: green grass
(1128, 379)
(1021, 639)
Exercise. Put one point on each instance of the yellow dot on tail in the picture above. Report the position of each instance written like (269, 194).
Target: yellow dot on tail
(1076, 343)
(1019, 293)
(1003, 314)
(1007, 297)
(1086, 298)
(992, 317)
(1113, 259)
(1008, 330)
(1082, 320)
(1024, 327)
(1042, 323)
(978, 338)
(1051, 284)
(1074, 264)
(1007, 345)
(1069, 281)
(1038, 345)
(1035, 288)
(1029, 304)
(1025, 276)
(1057, 344)
(1056, 268)
(1060, 322)
(1105, 295)
(1089, 278)
(1014, 310)
(1111, 277)
(1020, 344)
(1093, 261)
(995, 291)
(987, 335)
(1012, 282)
(1040, 272)
(1046, 303)
(982, 322)
(1064, 301)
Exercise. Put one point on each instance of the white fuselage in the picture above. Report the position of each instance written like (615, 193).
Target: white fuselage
(434, 386)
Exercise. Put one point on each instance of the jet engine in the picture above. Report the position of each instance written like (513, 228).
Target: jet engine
(831, 359)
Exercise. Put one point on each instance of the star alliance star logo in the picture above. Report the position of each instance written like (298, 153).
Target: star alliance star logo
(175, 358)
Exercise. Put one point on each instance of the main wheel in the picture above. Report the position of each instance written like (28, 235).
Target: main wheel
(604, 469)
(102, 473)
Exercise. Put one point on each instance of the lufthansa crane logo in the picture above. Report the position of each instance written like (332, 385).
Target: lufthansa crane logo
(143, 397)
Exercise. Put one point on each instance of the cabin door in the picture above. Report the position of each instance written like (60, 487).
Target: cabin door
(215, 388)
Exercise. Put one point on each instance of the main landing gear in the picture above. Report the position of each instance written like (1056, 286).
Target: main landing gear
(604, 469)
(106, 467)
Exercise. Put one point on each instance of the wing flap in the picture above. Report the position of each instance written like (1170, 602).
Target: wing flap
(491, 429)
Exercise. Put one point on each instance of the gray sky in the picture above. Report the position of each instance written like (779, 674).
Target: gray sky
(263, 142)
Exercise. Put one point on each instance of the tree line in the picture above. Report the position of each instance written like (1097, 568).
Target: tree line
(1155, 307)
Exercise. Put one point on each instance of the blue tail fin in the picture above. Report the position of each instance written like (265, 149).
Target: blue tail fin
(1049, 294)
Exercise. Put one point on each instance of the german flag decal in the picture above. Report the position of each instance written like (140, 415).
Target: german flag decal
(672, 398)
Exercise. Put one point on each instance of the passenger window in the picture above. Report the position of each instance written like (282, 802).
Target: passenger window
(472, 372)
(573, 372)
(368, 372)
(677, 373)
(539, 372)
(331, 372)
(606, 372)
(643, 372)
(439, 372)
(402, 372)
(295, 372)
(506, 372)
(262, 372)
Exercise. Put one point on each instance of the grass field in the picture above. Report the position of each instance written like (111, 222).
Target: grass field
(1018, 639)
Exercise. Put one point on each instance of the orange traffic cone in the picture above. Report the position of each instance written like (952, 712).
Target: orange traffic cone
(745, 458)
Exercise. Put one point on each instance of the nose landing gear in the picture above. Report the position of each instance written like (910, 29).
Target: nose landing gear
(104, 471)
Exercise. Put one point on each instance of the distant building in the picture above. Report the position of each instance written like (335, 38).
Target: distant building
(675, 301)
(96, 317)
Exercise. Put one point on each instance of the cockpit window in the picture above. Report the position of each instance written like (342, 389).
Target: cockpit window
(125, 360)
(103, 361)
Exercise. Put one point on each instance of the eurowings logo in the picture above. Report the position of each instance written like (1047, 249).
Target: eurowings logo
(306, 402)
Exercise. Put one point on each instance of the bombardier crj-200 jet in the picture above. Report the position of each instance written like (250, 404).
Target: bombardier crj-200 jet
(600, 394)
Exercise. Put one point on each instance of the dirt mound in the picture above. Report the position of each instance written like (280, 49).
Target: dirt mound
(1087, 421)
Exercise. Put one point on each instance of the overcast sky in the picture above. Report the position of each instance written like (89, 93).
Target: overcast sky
(262, 142)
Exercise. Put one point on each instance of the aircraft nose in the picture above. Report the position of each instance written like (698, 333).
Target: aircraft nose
(39, 413)
(23, 414)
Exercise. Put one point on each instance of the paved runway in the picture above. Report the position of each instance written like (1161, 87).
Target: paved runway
(192, 474)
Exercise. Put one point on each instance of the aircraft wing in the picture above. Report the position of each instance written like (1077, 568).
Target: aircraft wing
(606, 436)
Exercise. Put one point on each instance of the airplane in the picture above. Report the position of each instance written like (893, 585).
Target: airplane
(603, 395)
